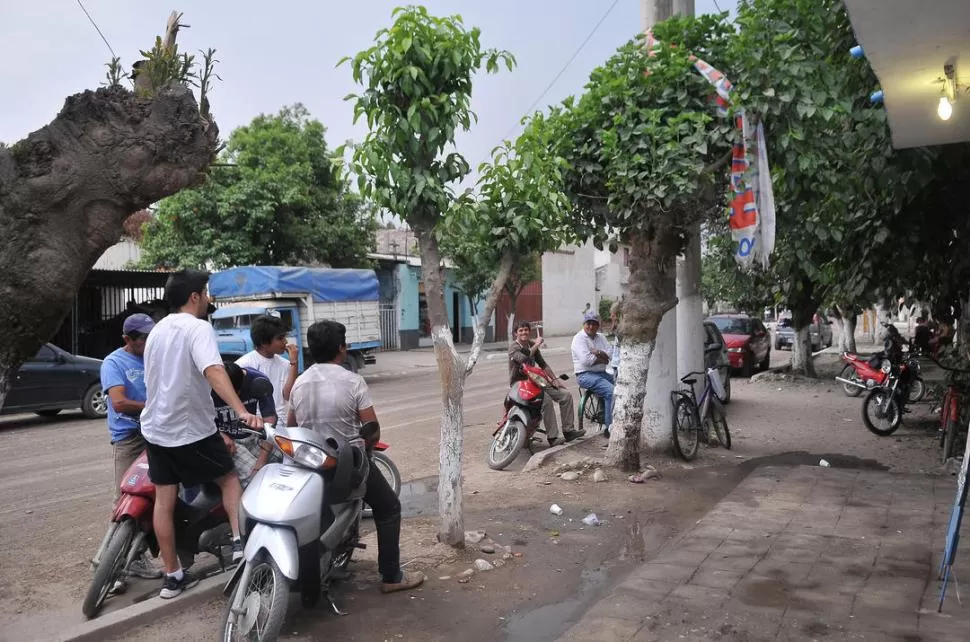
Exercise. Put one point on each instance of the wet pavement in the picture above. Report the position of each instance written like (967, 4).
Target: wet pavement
(798, 553)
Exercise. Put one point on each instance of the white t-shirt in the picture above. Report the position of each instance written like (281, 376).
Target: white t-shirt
(276, 369)
(179, 408)
(328, 398)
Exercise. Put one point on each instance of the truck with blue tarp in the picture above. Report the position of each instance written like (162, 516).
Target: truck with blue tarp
(299, 296)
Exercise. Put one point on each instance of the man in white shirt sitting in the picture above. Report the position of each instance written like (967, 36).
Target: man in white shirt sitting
(269, 338)
(591, 354)
(182, 368)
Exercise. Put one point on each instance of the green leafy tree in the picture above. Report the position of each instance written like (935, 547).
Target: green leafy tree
(276, 198)
(643, 146)
(417, 83)
(723, 281)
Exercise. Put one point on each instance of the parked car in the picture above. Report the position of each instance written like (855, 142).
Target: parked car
(820, 332)
(716, 356)
(55, 380)
(747, 340)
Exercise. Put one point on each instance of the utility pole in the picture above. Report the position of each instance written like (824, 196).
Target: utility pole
(662, 377)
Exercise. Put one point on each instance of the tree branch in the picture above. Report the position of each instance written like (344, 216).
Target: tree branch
(719, 163)
(505, 268)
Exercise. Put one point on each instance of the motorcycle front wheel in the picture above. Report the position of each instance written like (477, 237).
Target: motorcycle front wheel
(848, 372)
(110, 568)
(506, 445)
(879, 422)
(263, 605)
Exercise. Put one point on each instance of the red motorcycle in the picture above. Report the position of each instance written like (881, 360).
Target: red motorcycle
(201, 525)
(861, 374)
(523, 414)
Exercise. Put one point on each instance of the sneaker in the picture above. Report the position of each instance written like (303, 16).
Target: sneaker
(173, 587)
(407, 581)
(558, 441)
(574, 434)
(606, 433)
(144, 569)
(237, 550)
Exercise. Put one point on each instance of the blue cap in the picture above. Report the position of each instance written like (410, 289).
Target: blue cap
(141, 323)
(591, 317)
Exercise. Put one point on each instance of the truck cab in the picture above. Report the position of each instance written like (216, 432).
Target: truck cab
(232, 322)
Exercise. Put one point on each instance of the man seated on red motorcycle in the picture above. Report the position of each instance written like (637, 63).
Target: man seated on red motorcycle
(525, 351)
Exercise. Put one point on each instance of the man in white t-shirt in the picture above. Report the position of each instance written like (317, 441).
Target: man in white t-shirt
(182, 368)
(591, 354)
(335, 402)
(269, 337)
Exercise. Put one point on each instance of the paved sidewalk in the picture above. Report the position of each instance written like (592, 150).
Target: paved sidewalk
(800, 553)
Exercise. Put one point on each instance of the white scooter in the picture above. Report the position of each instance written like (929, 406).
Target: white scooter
(295, 538)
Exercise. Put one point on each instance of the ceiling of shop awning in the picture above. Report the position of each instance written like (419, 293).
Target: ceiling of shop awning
(907, 43)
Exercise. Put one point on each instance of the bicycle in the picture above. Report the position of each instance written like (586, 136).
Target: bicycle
(591, 409)
(694, 422)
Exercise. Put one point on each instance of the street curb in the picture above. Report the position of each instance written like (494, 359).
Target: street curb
(538, 459)
(118, 622)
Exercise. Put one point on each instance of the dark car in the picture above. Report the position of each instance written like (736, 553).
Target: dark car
(55, 380)
(820, 332)
(716, 356)
(747, 340)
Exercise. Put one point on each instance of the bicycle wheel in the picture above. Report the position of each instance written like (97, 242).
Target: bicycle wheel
(717, 419)
(686, 428)
(590, 411)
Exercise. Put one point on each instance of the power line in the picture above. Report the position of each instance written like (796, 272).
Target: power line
(717, 6)
(95, 25)
(564, 68)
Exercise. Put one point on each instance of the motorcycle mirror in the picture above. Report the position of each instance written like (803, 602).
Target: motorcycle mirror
(261, 387)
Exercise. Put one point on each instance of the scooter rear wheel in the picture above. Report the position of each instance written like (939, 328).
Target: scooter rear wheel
(506, 445)
(109, 569)
(266, 595)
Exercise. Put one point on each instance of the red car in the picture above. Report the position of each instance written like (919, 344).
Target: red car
(748, 341)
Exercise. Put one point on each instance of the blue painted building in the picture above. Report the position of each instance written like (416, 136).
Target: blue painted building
(404, 311)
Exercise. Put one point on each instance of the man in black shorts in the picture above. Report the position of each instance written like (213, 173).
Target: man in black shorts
(182, 367)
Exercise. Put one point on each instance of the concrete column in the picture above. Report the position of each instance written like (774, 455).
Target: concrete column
(690, 315)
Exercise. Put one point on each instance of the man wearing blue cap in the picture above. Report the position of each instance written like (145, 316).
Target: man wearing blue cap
(591, 354)
(123, 380)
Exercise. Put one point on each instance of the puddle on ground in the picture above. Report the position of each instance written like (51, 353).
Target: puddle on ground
(419, 497)
(546, 622)
(803, 458)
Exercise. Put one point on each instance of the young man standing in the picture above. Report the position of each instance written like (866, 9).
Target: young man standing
(182, 367)
(336, 403)
(526, 351)
(269, 337)
(123, 380)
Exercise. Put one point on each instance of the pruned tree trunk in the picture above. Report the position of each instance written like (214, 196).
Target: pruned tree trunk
(802, 313)
(452, 371)
(66, 189)
(882, 317)
(652, 293)
(845, 319)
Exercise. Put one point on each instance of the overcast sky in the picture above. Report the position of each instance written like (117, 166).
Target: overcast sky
(278, 53)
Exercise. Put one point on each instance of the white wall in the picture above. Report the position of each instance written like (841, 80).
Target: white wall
(119, 255)
(568, 284)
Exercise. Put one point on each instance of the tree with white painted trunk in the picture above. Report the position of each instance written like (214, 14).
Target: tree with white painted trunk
(417, 83)
(644, 147)
(67, 188)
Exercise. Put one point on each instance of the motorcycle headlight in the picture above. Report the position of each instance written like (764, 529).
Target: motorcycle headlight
(304, 454)
(886, 367)
(537, 380)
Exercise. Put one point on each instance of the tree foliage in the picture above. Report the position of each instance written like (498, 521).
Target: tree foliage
(276, 198)
(723, 280)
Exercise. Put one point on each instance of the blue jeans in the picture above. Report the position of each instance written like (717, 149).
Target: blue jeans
(601, 384)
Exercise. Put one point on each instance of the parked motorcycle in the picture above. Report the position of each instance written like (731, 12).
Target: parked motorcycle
(523, 414)
(201, 525)
(883, 407)
(301, 531)
(861, 374)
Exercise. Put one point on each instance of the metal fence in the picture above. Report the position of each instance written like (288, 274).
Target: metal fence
(389, 328)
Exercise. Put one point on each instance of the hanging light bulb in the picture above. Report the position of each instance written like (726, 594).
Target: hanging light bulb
(944, 110)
